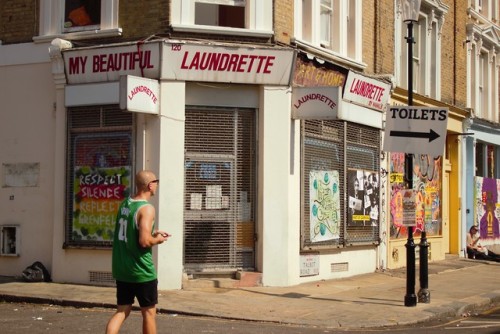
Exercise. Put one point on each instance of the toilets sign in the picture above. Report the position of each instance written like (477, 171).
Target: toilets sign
(416, 130)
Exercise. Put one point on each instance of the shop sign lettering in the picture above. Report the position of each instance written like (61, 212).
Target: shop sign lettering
(307, 74)
(139, 94)
(108, 64)
(366, 91)
(315, 102)
(199, 62)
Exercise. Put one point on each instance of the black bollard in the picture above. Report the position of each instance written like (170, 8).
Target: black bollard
(410, 297)
(424, 295)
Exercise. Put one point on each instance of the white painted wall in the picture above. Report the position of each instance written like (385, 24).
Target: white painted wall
(26, 136)
(278, 223)
(170, 150)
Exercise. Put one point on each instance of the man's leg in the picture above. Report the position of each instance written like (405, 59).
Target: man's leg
(116, 321)
(149, 319)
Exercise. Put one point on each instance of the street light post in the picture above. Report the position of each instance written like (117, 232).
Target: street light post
(411, 10)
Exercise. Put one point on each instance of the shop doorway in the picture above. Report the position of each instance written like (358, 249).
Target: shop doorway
(446, 207)
(219, 192)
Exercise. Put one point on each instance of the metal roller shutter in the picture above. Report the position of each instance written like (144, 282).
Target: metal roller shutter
(338, 146)
(219, 190)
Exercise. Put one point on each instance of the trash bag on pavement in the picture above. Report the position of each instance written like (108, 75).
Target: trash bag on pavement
(36, 273)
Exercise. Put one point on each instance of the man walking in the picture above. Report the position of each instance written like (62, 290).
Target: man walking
(132, 260)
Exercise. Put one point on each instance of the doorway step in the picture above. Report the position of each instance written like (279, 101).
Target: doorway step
(221, 280)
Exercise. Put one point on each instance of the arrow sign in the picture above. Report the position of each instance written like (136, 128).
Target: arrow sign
(415, 130)
(431, 134)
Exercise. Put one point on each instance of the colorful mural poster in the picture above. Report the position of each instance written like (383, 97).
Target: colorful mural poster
(487, 209)
(98, 194)
(363, 198)
(324, 203)
(427, 184)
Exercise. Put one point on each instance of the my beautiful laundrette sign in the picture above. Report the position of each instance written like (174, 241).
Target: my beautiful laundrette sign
(102, 64)
(248, 65)
(178, 60)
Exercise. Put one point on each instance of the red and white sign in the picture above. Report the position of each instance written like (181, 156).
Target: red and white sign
(201, 62)
(366, 91)
(139, 94)
(108, 64)
(315, 102)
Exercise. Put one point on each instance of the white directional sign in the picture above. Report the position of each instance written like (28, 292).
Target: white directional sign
(416, 130)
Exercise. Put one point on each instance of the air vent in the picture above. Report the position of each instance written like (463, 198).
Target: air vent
(339, 266)
(101, 278)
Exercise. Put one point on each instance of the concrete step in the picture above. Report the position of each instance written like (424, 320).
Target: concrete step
(239, 279)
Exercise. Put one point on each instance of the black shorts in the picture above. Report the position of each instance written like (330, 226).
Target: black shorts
(146, 293)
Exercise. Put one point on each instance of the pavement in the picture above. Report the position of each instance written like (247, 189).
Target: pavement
(457, 286)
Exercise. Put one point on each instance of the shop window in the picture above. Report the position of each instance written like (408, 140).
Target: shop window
(10, 240)
(480, 160)
(340, 184)
(427, 183)
(100, 172)
(492, 159)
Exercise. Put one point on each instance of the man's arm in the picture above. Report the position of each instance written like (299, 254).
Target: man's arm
(145, 219)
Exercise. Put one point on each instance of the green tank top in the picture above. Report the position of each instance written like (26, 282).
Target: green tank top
(131, 262)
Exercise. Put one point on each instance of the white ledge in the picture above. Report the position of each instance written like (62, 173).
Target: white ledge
(327, 54)
(80, 35)
(221, 30)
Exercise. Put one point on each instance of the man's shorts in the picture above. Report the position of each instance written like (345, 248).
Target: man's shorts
(146, 293)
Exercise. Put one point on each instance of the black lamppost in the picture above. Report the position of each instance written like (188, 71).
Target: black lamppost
(411, 10)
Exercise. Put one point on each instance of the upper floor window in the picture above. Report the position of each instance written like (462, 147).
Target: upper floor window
(483, 43)
(82, 15)
(326, 17)
(426, 61)
(331, 26)
(488, 9)
(220, 13)
(74, 19)
(234, 17)
(484, 78)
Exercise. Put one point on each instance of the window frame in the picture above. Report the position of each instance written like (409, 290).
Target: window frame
(52, 22)
(483, 70)
(104, 124)
(258, 19)
(307, 30)
(428, 50)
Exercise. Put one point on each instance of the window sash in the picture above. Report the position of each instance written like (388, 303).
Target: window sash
(326, 16)
(239, 3)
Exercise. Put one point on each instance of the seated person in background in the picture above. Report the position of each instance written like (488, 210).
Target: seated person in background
(475, 250)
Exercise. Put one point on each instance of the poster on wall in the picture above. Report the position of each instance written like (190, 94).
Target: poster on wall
(98, 194)
(487, 209)
(427, 185)
(101, 180)
(324, 203)
(363, 197)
